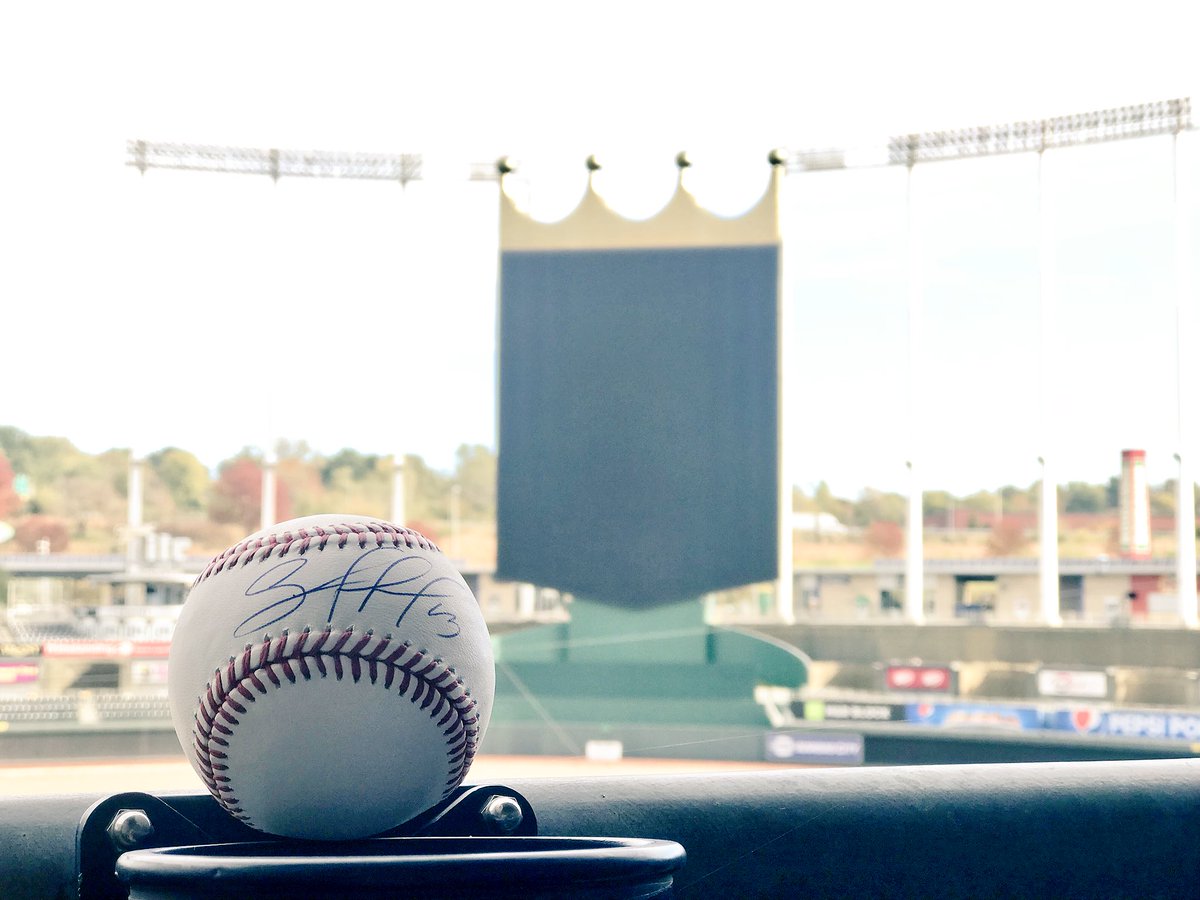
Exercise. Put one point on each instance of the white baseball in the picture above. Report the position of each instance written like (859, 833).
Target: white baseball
(330, 677)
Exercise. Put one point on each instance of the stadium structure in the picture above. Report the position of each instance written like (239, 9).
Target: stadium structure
(838, 665)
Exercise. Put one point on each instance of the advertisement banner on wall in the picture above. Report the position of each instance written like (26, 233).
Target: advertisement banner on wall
(108, 649)
(953, 715)
(18, 673)
(1171, 726)
(818, 749)
(17, 649)
(830, 711)
(1092, 685)
(936, 679)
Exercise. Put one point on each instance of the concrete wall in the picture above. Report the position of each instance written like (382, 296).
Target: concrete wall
(1066, 647)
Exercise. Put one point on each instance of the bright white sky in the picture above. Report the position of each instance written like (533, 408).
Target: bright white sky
(214, 311)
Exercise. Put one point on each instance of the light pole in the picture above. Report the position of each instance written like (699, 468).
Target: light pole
(1185, 499)
(399, 514)
(267, 500)
(1048, 495)
(914, 559)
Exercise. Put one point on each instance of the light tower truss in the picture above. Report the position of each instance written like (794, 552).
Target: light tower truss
(1031, 136)
(276, 163)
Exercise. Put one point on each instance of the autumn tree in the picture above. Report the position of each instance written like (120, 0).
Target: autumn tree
(9, 501)
(237, 494)
(32, 529)
(1007, 538)
(885, 538)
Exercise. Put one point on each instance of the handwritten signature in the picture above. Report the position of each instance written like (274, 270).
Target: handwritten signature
(402, 579)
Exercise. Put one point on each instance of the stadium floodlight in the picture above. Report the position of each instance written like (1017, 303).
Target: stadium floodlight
(1142, 120)
(816, 160)
(143, 155)
(1035, 135)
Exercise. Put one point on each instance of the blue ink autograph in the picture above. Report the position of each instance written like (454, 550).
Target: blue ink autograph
(402, 578)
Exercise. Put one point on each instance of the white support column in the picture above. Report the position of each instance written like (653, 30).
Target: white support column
(134, 513)
(1185, 499)
(456, 520)
(399, 514)
(914, 557)
(1048, 498)
(785, 594)
(526, 601)
(267, 506)
(1048, 545)
(135, 531)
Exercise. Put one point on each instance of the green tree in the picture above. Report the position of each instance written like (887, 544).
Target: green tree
(1081, 497)
(426, 491)
(17, 446)
(880, 506)
(369, 495)
(981, 502)
(299, 479)
(827, 502)
(185, 478)
(356, 466)
(1019, 500)
(1162, 498)
(292, 449)
(801, 502)
(938, 506)
(475, 473)
(45, 461)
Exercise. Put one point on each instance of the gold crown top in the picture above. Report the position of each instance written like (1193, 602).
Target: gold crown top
(681, 223)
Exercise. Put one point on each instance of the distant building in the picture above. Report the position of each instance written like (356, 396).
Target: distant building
(818, 523)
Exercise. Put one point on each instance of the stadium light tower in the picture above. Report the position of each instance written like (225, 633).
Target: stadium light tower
(1185, 500)
(914, 557)
(1120, 123)
(402, 168)
(1032, 136)
(1051, 610)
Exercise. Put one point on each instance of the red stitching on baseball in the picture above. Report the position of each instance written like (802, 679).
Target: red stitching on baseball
(302, 539)
(432, 678)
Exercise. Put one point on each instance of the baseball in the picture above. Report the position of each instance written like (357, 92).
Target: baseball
(330, 677)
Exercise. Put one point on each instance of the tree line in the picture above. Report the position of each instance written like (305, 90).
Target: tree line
(52, 490)
(1080, 497)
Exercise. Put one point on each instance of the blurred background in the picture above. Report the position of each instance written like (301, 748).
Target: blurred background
(252, 272)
